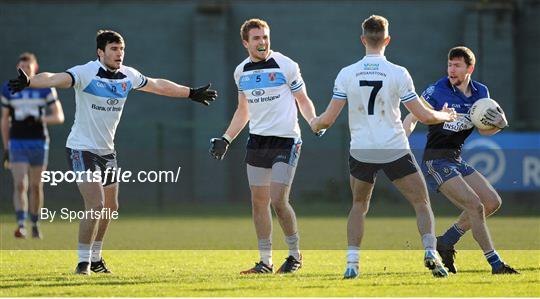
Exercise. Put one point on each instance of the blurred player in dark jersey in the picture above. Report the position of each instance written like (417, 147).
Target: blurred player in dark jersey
(26, 143)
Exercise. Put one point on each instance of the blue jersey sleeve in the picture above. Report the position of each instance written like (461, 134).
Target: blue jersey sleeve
(483, 91)
(429, 97)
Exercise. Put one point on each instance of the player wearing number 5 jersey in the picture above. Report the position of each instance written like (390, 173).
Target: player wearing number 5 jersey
(373, 88)
(270, 87)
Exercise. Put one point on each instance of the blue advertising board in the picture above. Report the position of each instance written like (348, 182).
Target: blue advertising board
(510, 161)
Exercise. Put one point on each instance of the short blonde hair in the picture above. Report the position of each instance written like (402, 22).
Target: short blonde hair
(250, 24)
(375, 30)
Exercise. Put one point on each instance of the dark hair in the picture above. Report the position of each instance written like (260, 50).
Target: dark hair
(462, 52)
(250, 24)
(375, 30)
(105, 37)
(27, 56)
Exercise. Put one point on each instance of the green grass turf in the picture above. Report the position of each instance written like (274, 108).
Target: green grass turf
(202, 256)
(237, 233)
(215, 273)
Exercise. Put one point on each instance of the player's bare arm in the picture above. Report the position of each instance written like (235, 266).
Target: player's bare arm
(240, 118)
(409, 123)
(305, 105)
(5, 127)
(167, 88)
(41, 80)
(56, 116)
(5, 137)
(429, 116)
(238, 122)
(328, 117)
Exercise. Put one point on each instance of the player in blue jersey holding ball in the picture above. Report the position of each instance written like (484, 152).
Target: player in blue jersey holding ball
(447, 172)
(101, 89)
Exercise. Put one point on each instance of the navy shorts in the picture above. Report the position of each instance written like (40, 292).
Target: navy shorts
(439, 171)
(32, 151)
(394, 170)
(82, 161)
(265, 151)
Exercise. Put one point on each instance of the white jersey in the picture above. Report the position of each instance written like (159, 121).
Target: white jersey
(269, 86)
(100, 96)
(374, 88)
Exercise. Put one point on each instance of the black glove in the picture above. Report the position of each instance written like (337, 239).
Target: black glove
(219, 147)
(202, 94)
(496, 117)
(16, 85)
(5, 159)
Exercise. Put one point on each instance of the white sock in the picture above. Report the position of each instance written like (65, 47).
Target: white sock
(265, 251)
(429, 241)
(353, 256)
(84, 252)
(96, 251)
(293, 241)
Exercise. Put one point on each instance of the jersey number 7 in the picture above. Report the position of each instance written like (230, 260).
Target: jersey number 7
(377, 85)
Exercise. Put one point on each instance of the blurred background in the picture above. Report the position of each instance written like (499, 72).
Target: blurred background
(195, 42)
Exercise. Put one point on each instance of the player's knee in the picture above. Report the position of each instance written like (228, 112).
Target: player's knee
(361, 206)
(419, 200)
(279, 204)
(492, 204)
(35, 187)
(96, 206)
(260, 201)
(364, 198)
(113, 206)
(475, 208)
(20, 186)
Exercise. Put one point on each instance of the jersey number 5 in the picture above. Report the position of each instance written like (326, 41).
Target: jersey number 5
(377, 85)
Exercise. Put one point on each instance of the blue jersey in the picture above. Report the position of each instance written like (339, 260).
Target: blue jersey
(445, 140)
(25, 107)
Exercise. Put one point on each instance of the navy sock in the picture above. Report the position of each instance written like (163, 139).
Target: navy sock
(21, 217)
(452, 235)
(493, 259)
(34, 218)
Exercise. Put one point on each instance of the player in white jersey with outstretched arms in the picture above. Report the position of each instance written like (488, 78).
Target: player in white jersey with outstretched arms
(373, 88)
(101, 89)
(269, 88)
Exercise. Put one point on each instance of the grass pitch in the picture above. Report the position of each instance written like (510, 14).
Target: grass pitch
(202, 256)
(215, 273)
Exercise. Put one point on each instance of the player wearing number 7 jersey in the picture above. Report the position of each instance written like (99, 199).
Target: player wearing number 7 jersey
(374, 88)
